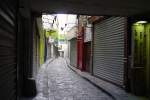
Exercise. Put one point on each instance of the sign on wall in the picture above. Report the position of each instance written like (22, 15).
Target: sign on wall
(88, 33)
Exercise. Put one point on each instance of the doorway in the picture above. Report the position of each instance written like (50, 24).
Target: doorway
(87, 57)
(140, 57)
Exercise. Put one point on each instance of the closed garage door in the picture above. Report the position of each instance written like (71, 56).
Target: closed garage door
(109, 50)
(8, 50)
(73, 52)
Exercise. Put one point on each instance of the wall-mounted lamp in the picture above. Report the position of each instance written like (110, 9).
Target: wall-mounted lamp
(141, 22)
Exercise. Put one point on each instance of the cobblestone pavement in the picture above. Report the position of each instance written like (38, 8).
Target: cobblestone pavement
(56, 81)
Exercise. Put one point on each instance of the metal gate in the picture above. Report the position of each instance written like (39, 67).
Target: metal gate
(8, 80)
(73, 52)
(108, 50)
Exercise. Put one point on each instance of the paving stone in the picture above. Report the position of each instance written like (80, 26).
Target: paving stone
(56, 81)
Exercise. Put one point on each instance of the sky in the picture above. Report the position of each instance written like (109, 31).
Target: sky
(63, 19)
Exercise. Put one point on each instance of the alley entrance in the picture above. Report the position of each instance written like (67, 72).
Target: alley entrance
(56, 81)
(96, 45)
(107, 40)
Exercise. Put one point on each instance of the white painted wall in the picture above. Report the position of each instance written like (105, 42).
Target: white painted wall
(72, 33)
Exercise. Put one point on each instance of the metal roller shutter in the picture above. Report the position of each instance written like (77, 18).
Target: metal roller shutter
(108, 50)
(73, 52)
(8, 50)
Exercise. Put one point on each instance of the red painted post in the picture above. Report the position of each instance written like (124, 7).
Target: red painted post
(80, 49)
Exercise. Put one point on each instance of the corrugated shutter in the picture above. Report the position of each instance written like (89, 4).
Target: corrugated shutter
(8, 50)
(73, 52)
(108, 49)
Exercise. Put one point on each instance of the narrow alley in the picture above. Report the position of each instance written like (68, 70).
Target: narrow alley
(74, 50)
(56, 81)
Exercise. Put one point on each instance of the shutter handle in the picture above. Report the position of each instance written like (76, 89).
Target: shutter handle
(124, 58)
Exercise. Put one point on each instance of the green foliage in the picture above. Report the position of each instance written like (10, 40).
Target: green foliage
(53, 33)
(62, 37)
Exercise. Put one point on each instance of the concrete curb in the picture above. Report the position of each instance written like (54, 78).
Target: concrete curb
(92, 82)
(113, 91)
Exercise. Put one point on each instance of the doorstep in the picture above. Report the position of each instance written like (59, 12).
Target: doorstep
(112, 90)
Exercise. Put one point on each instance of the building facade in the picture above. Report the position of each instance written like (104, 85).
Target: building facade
(72, 45)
